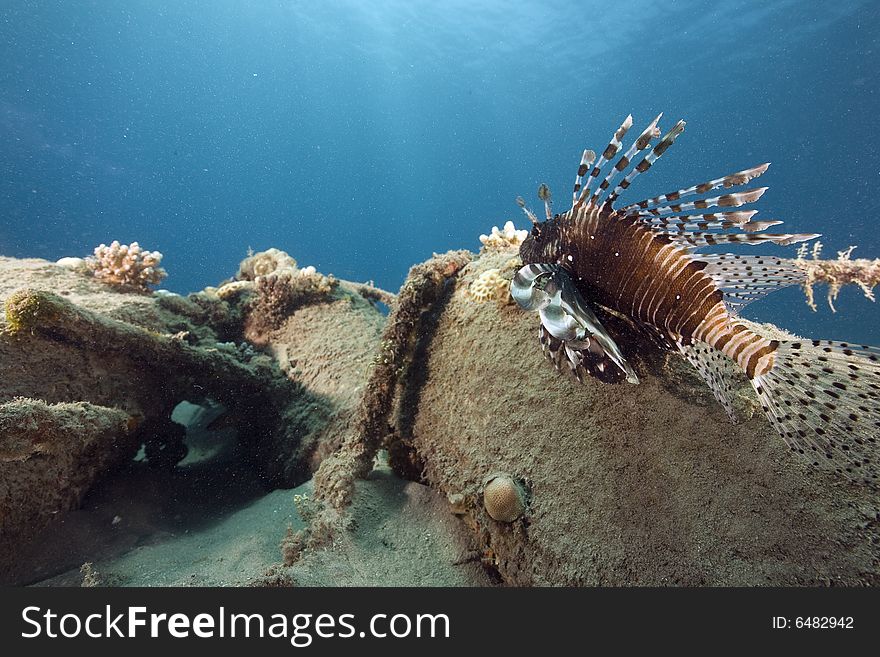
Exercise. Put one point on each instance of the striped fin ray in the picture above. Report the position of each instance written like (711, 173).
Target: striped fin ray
(736, 217)
(824, 398)
(744, 279)
(716, 370)
(738, 178)
(648, 161)
(640, 144)
(698, 224)
(581, 360)
(698, 239)
(587, 159)
(551, 347)
(723, 201)
(610, 151)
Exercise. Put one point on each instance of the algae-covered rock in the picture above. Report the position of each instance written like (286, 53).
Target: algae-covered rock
(645, 484)
(65, 339)
(50, 455)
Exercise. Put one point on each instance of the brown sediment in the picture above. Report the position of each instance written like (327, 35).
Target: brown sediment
(844, 270)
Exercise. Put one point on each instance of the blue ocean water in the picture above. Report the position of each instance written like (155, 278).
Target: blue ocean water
(363, 136)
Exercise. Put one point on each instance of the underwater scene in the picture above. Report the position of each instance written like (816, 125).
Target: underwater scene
(439, 293)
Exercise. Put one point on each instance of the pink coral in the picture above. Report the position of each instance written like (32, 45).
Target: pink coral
(127, 267)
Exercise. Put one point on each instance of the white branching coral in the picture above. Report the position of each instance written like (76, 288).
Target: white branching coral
(836, 273)
(264, 263)
(506, 238)
(490, 285)
(126, 266)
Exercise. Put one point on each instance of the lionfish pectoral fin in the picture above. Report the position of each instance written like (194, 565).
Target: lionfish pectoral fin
(528, 287)
(715, 369)
(744, 279)
(599, 341)
(570, 330)
(583, 357)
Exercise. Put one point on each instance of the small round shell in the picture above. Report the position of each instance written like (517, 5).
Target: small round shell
(503, 497)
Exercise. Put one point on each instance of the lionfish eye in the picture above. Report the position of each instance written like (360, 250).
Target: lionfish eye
(540, 282)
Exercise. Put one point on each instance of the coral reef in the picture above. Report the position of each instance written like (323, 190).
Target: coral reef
(836, 273)
(74, 264)
(233, 289)
(255, 390)
(506, 238)
(265, 263)
(279, 294)
(125, 266)
(39, 312)
(490, 285)
(592, 484)
(274, 302)
(141, 355)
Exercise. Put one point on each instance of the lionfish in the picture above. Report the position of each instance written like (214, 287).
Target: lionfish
(642, 261)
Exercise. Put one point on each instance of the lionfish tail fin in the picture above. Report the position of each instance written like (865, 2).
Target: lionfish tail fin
(824, 398)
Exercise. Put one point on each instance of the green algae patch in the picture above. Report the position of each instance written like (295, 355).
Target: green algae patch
(28, 309)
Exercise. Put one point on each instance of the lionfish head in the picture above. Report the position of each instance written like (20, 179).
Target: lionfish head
(542, 241)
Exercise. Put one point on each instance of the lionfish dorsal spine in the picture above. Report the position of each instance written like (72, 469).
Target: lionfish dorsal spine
(641, 143)
(738, 178)
(610, 151)
(648, 161)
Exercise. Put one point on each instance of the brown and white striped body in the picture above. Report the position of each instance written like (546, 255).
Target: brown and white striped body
(622, 264)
